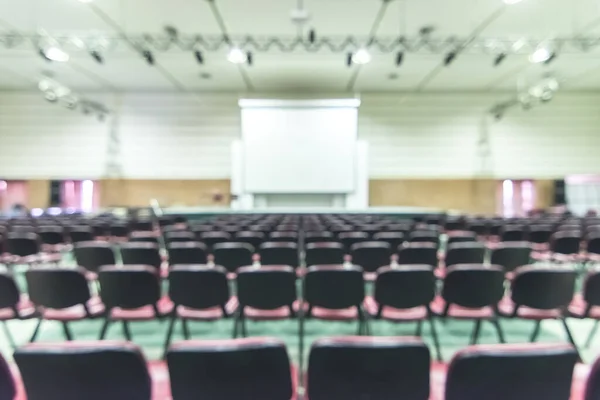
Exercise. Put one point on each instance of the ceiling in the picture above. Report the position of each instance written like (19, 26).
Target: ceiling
(299, 71)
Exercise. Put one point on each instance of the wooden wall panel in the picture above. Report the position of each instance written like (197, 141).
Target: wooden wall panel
(544, 190)
(186, 193)
(465, 195)
(38, 193)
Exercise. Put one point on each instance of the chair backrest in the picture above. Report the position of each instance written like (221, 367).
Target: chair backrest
(427, 236)
(179, 236)
(461, 237)
(84, 370)
(418, 253)
(591, 287)
(241, 369)
(57, 287)
(465, 253)
(324, 253)
(473, 286)
(266, 288)
(348, 281)
(198, 286)
(213, 237)
(405, 287)
(51, 234)
(94, 254)
(348, 239)
(318, 236)
(233, 255)
(143, 237)
(511, 255)
(592, 387)
(7, 383)
(566, 242)
(279, 253)
(593, 242)
(141, 253)
(540, 233)
(543, 288)
(375, 368)
(516, 372)
(9, 293)
(283, 236)
(187, 253)
(394, 239)
(371, 255)
(129, 287)
(22, 243)
(513, 233)
(254, 239)
(80, 233)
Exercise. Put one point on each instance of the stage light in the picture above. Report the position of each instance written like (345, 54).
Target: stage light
(449, 58)
(148, 56)
(312, 36)
(97, 56)
(249, 58)
(399, 58)
(499, 59)
(54, 53)
(199, 57)
(361, 57)
(236, 56)
(349, 59)
(540, 55)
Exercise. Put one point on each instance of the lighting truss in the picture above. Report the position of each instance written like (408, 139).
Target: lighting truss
(288, 44)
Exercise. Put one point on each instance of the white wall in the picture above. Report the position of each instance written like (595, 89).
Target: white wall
(190, 136)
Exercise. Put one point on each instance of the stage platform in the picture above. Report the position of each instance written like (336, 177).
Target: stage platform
(196, 213)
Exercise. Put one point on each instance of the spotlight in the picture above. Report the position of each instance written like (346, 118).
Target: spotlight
(399, 58)
(249, 58)
(97, 56)
(148, 56)
(361, 57)
(449, 58)
(199, 57)
(540, 55)
(236, 56)
(172, 32)
(312, 36)
(349, 59)
(51, 96)
(499, 59)
(510, 2)
(551, 58)
(54, 53)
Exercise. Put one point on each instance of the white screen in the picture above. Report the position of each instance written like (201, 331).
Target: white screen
(299, 150)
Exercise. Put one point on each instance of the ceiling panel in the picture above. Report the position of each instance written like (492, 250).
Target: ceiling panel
(376, 75)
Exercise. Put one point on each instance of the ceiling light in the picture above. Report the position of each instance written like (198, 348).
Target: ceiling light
(449, 58)
(199, 57)
(349, 59)
(97, 56)
(361, 57)
(54, 53)
(148, 56)
(399, 58)
(236, 56)
(540, 55)
(250, 58)
(499, 58)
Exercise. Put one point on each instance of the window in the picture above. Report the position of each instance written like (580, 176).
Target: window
(516, 197)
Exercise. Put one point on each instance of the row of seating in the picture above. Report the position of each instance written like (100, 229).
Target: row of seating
(339, 368)
(202, 293)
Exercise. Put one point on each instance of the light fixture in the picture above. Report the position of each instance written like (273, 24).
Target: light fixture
(54, 53)
(449, 58)
(250, 58)
(361, 56)
(147, 54)
(349, 59)
(97, 56)
(236, 56)
(541, 54)
(399, 58)
(312, 36)
(510, 2)
(499, 59)
(199, 57)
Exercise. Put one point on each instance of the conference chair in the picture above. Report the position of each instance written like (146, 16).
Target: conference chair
(374, 368)
(254, 239)
(419, 253)
(592, 387)
(404, 227)
(586, 305)
(349, 239)
(540, 236)
(465, 253)
(80, 233)
(394, 239)
(511, 255)
(198, 293)
(240, 369)
(13, 306)
(213, 238)
(511, 371)
(283, 236)
(541, 293)
(131, 293)
(457, 237)
(141, 225)
(179, 236)
(452, 224)
(233, 255)
(478, 227)
(24, 248)
(370, 256)
(566, 246)
(318, 236)
(144, 237)
(187, 253)
(62, 295)
(279, 253)
(472, 292)
(424, 236)
(52, 238)
(118, 231)
(93, 255)
(267, 293)
(593, 247)
(404, 295)
(8, 389)
(141, 253)
(324, 253)
(84, 370)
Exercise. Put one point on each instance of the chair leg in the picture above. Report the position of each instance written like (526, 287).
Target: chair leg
(419, 330)
(67, 331)
(126, 330)
(104, 329)
(301, 322)
(169, 335)
(436, 341)
(536, 332)
(236, 323)
(590, 338)
(570, 336)
(186, 329)
(243, 325)
(475, 333)
(499, 330)
(8, 335)
(36, 331)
